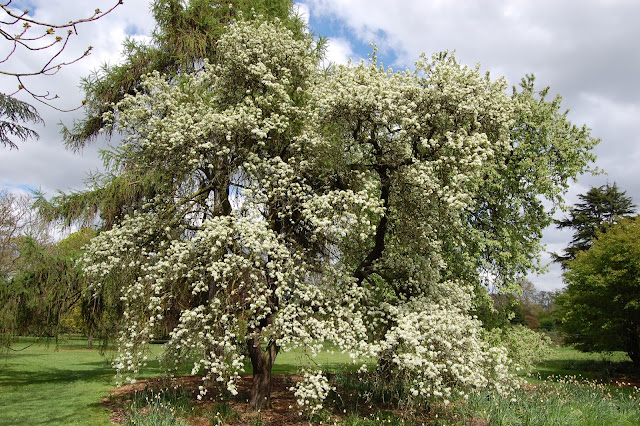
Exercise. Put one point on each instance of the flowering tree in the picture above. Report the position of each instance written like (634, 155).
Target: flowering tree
(297, 206)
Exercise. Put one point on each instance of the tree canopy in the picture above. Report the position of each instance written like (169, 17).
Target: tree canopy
(599, 208)
(601, 304)
(186, 34)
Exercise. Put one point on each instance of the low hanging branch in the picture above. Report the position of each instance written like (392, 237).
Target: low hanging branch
(44, 39)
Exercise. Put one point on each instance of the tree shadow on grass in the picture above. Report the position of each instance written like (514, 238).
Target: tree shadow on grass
(17, 377)
(602, 369)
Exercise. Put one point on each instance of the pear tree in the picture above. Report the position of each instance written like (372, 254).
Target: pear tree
(298, 205)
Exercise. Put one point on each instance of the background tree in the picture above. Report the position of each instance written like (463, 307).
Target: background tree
(17, 220)
(46, 285)
(39, 280)
(26, 35)
(600, 307)
(600, 208)
(527, 306)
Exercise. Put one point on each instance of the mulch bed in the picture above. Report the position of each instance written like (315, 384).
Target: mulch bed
(282, 412)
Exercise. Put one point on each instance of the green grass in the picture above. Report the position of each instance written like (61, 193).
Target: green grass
(41, 383)
(566, 401)
(567, 361)
(45, 384)
(329, 359)
(565, 389)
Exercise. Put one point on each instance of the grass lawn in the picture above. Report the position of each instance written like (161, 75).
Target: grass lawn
(45, 384)
(567, 361)
(566, 389)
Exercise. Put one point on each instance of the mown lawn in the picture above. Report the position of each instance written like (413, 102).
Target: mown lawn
(41, 383)
(44, 384)
(64, 384)
(566, 361)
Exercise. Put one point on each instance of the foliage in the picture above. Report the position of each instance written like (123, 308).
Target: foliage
(503, 225)
(155, 414)
(600, 208)
(22, 233)
(297, 205)
(12, 210)
(45, 287)
(162, 407)
(601, 304)
(14, 111)
(525, 306)
(375, 419)
(223, 413)
(524, 346)
(17, 220)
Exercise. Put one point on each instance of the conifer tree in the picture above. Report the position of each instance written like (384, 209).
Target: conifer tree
(599, 208)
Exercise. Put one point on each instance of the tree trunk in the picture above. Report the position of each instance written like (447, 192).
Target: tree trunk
(90, 341)
(262, 362)
(634, 346)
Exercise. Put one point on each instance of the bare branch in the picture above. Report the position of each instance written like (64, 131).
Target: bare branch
(22, 40)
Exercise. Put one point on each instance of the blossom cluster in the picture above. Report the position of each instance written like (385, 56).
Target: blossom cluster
(436, 350)
(311, 391)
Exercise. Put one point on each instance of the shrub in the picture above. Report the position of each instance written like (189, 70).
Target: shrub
(525, 347)
(436, 351)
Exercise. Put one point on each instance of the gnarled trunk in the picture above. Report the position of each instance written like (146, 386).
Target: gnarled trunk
(262, 362)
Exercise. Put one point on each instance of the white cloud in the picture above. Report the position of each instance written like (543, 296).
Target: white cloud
(339, 51)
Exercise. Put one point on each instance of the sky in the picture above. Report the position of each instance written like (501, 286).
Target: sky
(585, 50)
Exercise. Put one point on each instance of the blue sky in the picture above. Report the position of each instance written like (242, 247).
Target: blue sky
(361, 47)
(585, 50)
